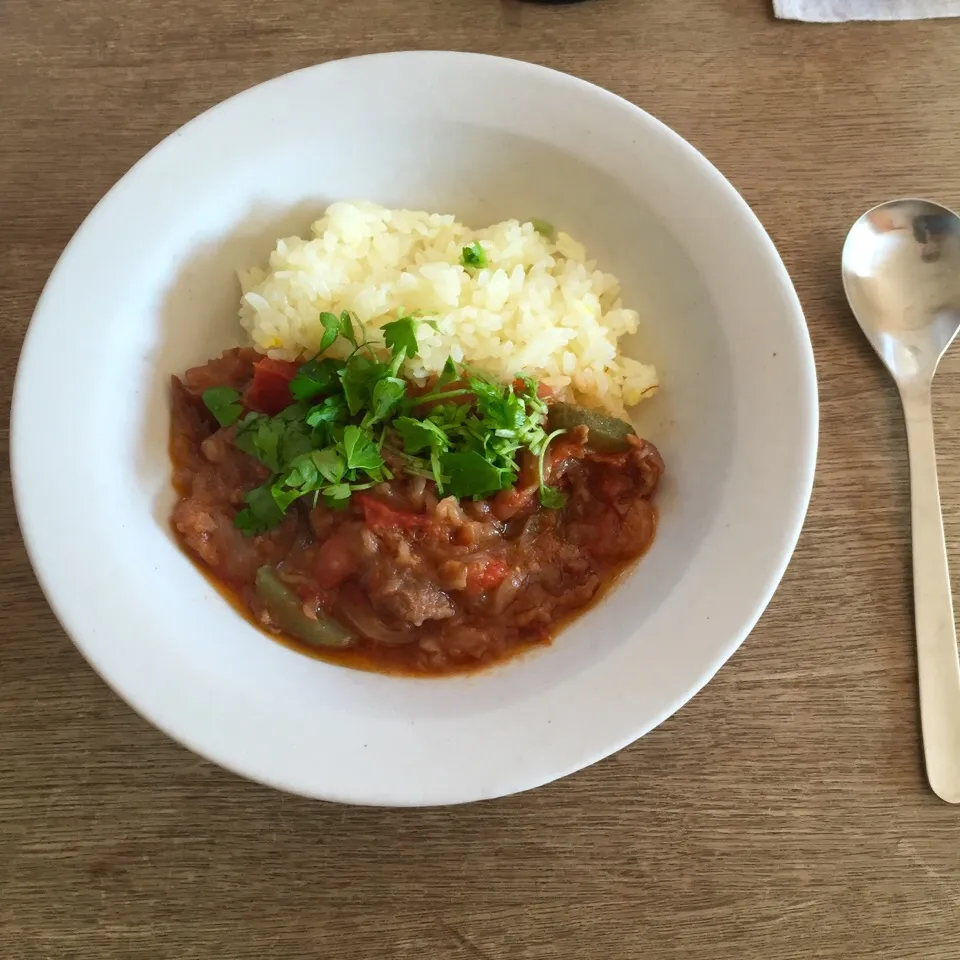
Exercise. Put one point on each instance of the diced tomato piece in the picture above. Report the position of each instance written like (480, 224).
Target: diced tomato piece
(494, 573)
(484, 575)
(335, 562)
(543, 391)
(269, 391)
(380, 516)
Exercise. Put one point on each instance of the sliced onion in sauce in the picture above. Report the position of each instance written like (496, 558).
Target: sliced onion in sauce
(506, 593)
(354, 607)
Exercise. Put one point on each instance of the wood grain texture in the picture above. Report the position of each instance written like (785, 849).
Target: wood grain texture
(782, 814)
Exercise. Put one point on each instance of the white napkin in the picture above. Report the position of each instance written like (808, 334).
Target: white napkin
(834, 11)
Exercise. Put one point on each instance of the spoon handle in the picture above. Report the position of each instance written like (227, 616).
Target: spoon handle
(937, 660)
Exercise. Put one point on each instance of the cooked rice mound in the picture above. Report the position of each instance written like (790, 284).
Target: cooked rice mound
(539, 306)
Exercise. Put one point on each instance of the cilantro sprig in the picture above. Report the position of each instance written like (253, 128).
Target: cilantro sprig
(471, 448)
(466, 432)
(224, 403)
(473, 256)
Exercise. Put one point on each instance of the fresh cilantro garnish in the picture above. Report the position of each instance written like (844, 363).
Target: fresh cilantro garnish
(309, 473)
(465, 432)
(424, 436)
(447, 375)
(336, 496)
(296, 440)
(259, 436)
(386, 394)
(330, 464)
(346, 328)
(470, 475)
(360, 451)
(401, 335)
(224, 403)
(435, 396)
(357, 378)
(333, 410)
(504, 409)
(494, 426)
(331, 330)
(550, 497)
(316, 377)
(473, 256)
(260, 513)
(420, 435)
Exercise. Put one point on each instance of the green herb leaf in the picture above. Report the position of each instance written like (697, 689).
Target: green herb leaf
(470, 475)
(224, 403)
(316, 377)
(550, 497)
(260, 437)
(295, 441)
(473, 256)
(419, 435)
(346, 328)
(292, 413)
(451, 416)
(387, 393)
(333, 410)
(401, 335)
(433, 396)
(447, 375)
(261, 512)
(331, 330)
(303, 474)
(330, 464)
(360, 451)
(283, 496)
(357, 378)
(308, 473)
(339, 491)
(499, 404)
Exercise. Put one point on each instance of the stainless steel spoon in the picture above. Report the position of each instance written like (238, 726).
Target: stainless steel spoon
(901, 272)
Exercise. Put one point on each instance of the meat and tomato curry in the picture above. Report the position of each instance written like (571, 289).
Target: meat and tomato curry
(416, 528)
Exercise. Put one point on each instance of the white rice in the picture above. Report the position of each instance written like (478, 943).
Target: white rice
(539, 306)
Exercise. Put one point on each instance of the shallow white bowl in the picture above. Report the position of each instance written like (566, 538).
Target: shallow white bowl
(147, 287)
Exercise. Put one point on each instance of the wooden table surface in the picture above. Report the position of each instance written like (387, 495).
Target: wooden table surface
(782, 814)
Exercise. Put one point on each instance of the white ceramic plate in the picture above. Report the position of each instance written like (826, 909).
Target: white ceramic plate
(147, 287)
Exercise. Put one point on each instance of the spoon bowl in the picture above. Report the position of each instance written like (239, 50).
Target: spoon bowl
(901, 273)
